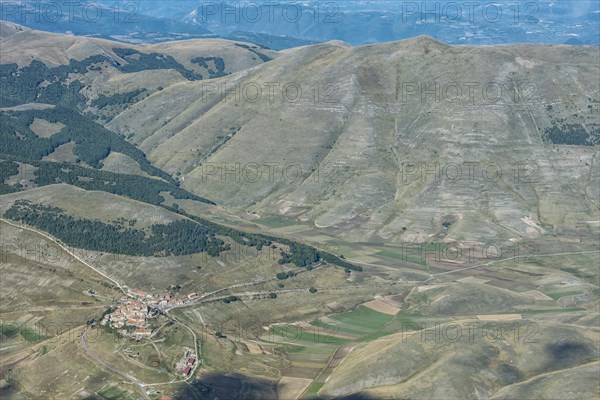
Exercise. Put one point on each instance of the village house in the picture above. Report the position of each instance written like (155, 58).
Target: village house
(137, 309)
(138, 293)
(143, 332)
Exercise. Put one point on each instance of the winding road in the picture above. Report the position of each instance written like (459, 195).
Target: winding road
(67, 250)
(208, 297)
(90, 353)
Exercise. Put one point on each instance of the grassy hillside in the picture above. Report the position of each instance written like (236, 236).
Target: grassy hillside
(332, 239)
(416, 365)
(102, 76)
(119, 235)
(362, 158)
(21, 45)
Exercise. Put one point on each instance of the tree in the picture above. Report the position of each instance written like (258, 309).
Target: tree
(313, 290)
(272, 295)
(282, 275)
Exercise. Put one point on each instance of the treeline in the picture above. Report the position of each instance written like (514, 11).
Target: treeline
(40, 83)
(332, 259)
(93, 142)
(219, 65)
(116, 99)
(24, 85)
(138, 61)
(8, 169)
(133, 186)
(300, 254)
(176, 238)
(572, 134)
(252, 49)
(303, 255)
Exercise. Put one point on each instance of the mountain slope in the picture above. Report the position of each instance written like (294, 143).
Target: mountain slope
(77, 82)
(20, 45)
(475, 365)
(111, 152)
(508, 132)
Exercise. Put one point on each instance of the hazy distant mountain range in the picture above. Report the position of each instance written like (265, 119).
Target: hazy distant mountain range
(280, 25)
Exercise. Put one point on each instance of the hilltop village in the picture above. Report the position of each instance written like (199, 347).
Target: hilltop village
(136, 313)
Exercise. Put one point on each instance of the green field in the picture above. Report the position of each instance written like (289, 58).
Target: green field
(558, 295)
(361, 323)
(114, 393)
(32, 335)
(306, 337)
(298, 349)
(314, 388)
(340, 327)
(424, 297)
(28, 333)
(8, 330)
(403, 257)
(367, 324)
(275, 222)
(363, 317)
(550, 311)
(310, 348)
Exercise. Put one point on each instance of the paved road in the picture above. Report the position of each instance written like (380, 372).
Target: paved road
(89, 352)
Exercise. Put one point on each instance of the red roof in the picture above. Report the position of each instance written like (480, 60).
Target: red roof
(191, 360)
(187, 370)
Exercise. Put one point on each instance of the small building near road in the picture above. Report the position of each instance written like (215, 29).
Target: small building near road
(143, 332)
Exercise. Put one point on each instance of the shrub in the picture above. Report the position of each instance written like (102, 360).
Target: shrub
(282, 275)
